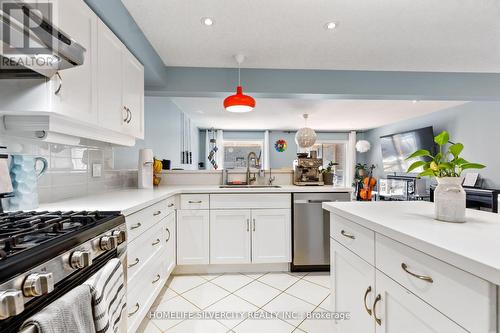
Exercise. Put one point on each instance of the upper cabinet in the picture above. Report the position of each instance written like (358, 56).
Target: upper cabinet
(103, 99)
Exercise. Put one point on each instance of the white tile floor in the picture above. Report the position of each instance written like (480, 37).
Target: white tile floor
(258, 293)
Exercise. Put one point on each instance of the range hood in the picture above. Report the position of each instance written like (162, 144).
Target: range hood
(49, 49)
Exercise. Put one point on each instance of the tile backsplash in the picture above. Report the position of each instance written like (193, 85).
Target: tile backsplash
(70, 171)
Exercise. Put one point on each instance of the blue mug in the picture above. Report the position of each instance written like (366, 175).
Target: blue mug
(24, 172)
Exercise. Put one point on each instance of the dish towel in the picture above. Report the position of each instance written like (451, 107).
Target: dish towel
(108, 296)
(70, 313)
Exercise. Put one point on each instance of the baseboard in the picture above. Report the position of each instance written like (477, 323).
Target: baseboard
(237, 268)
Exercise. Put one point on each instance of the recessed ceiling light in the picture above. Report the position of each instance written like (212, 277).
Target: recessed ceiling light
(207, 21)
(331, 25)
(414, 101)
(200, 111)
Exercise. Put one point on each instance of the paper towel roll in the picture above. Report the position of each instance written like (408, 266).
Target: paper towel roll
(145, 169)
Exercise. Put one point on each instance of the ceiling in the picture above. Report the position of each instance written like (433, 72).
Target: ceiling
(403, 35)
(326, 115)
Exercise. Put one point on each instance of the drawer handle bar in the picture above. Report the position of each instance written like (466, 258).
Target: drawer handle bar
(345, 234)
(157, 213)
(168, 238)
(253, 224)
(369, 290)
(248, 225)
(156, 279)
(135, 311)
(378, 320)
(195, 202)
(421, 277)
(135, 226)
(171, 205)
(156, 242)
(135, 263)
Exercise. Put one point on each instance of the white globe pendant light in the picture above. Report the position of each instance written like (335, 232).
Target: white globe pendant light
(305, 137)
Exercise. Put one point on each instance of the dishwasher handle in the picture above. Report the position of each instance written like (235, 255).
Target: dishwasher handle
(312, 201)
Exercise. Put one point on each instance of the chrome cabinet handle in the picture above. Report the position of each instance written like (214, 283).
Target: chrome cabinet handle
(158, 212)
(156, 242)
(253, 224)
(248, 225)
(195, 202)
(58, 90)
(135, 263)
(369, 290)
(130, 114)
(137, 307)
(345, 234)
(374, 307)
(171, 205)
(135, 226)
(168, 238)
(421, 277)
(125, 119)
(156, 279)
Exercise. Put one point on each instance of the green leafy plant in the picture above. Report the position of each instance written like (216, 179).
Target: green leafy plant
(446, 163)
(329, 167)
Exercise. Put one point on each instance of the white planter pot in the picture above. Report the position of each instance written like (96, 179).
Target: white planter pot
(449, 198)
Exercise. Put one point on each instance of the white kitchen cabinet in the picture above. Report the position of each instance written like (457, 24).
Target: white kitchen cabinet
(133, 94)
(353, 289)
(170, 248)
(193, 237)
(230, 237)
(271, 235)
(398, 310)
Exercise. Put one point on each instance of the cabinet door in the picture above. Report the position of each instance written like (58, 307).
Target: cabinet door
(110, 79)
(401, 311)
(133, 95)
(74, 93)
(169, 232)
(353, 289)
(193, 237)
(230, 236)
(271, 236)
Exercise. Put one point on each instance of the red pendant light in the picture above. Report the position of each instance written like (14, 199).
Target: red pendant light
(239, 103)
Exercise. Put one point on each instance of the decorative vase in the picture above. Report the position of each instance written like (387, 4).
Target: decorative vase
(24, 172)
(449, 198)
(328, 178)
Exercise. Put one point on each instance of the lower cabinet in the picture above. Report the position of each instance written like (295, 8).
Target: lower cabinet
(193, 237)
(271, 236)
(376, 303)
(230, 237)
(170, 247)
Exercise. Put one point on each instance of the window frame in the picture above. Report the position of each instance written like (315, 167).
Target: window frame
(346, 149)
(233, 142)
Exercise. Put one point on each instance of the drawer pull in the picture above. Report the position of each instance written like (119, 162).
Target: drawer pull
(158, 212)
(253, 224)
(377, 320)
(135, 226)
(135, 263)
(168, 238)
(156, 242)
(369, 290)
(171, 205)
(135, 311)
(195, 202)
(248, 225)
(156, 279)
(421, 277)
(345, 234)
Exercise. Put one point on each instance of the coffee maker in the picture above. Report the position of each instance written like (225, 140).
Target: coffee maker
(306, 170)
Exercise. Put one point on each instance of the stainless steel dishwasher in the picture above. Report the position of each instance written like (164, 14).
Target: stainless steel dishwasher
(311, 230)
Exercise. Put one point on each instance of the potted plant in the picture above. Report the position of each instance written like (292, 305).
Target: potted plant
(447, 167)
(328, 173)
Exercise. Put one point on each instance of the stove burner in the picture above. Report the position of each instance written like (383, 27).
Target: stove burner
(20, 231)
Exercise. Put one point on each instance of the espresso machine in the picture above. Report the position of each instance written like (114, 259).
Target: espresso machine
(306, 170)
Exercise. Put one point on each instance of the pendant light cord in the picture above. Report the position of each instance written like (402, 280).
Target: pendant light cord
(239, 74)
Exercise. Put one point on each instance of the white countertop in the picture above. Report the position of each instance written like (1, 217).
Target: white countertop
(473, 246)
(129, 201)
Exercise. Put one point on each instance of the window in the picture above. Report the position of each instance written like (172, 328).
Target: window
(236, 153)
(335, 151)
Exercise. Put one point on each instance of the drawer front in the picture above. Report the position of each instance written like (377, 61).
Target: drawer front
(249, 201)
(195, 201)
(356, 238)
(141, 249)
(144, 219)
(464, 298)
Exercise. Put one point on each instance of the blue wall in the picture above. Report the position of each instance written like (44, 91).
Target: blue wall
(475, 124)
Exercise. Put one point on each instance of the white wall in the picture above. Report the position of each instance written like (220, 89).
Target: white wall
(162, 133)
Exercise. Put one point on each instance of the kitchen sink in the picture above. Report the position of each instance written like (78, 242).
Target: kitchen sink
(249, 186)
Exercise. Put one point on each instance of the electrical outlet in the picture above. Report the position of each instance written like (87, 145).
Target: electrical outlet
(96, 170)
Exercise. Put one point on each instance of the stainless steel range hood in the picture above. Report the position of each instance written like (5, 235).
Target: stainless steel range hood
(49, 49)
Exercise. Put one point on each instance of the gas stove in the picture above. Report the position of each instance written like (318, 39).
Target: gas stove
(42, 253)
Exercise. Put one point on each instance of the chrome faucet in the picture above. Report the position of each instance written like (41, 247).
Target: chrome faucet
(252, 179)
(271, 178)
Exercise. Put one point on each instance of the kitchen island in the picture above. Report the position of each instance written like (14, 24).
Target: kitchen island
(396, 269)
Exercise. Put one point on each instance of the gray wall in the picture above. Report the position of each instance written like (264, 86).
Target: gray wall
(475, 124)
(162, 133)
